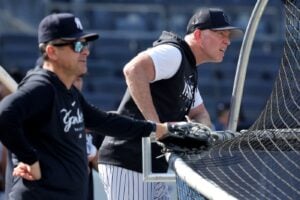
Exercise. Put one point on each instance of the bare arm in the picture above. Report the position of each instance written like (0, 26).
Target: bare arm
(200, 114)
(138, 73)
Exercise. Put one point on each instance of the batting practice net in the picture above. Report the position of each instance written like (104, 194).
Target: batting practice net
(264, 161)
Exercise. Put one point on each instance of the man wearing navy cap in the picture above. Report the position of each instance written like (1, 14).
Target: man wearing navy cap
(163, 86)
(43, 123)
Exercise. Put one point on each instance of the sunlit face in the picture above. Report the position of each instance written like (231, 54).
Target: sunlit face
(214, 44)
(72, 57)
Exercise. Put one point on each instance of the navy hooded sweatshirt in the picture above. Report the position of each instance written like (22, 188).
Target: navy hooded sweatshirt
(44, 121)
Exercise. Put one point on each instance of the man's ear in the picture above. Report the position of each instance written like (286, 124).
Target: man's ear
(197, 34)
(51, 52)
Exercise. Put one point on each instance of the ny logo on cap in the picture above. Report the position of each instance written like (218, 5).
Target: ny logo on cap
(78, 23)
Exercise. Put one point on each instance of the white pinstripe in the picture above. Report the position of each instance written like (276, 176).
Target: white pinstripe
(124, 184)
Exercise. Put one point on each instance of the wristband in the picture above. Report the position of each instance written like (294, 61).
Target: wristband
(154, 127)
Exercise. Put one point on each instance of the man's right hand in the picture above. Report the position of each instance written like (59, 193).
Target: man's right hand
(28, 172)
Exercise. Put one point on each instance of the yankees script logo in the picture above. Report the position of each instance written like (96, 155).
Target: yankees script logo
(69, 119)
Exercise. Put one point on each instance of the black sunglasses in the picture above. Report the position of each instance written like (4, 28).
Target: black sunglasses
(77, 46)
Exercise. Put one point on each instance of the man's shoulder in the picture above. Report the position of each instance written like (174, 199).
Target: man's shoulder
(168, 37)
(40, 77)
(37, 80)
(165, 49)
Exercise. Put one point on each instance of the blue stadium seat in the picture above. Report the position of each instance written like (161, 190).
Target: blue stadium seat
(18, 50)
(252, 107)
(108, 85)
(103, 68)
(131, 22)
(101, 19)
(106, 102)
(207, 89)
(224, 89)
(206, 71)
(119, 54)
(144, 43)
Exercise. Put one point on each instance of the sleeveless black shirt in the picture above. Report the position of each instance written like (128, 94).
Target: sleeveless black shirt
(172, 99)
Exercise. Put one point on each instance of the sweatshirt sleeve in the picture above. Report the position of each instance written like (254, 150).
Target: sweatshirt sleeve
(15, 110)
(113, 124)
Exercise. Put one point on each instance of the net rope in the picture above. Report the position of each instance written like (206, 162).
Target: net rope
(264, 162)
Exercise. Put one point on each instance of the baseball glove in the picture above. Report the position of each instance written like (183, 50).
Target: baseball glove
(186, 137)
(221, 136)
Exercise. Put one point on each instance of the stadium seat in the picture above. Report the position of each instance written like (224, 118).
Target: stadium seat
(101, 19)
(252, 107)
(18, 50)
(108, 85)
(103, 68)
(131, 22)
(106, 102)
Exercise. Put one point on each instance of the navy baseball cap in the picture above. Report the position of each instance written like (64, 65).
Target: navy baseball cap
(213, 19)
(62, 26)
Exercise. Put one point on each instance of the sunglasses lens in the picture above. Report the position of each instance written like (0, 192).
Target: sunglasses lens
(78, 46)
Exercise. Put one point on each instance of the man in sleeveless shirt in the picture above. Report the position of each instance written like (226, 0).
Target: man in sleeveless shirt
(162, 86)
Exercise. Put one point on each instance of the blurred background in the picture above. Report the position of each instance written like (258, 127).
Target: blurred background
(127, 27)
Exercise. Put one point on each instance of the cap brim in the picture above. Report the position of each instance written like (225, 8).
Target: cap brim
(234, 31)
(87, 36)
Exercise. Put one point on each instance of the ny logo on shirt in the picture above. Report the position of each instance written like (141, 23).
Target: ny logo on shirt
(187, 95)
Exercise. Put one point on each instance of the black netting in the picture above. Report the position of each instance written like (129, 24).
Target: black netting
(283, 107)
(185, 192)
(264, 162)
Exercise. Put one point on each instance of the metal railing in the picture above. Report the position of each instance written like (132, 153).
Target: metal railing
(236, 98)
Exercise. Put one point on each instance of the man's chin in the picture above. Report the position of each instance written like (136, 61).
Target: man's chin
(220, 59)
(82, 74)
(217, 60)
(84, 71)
